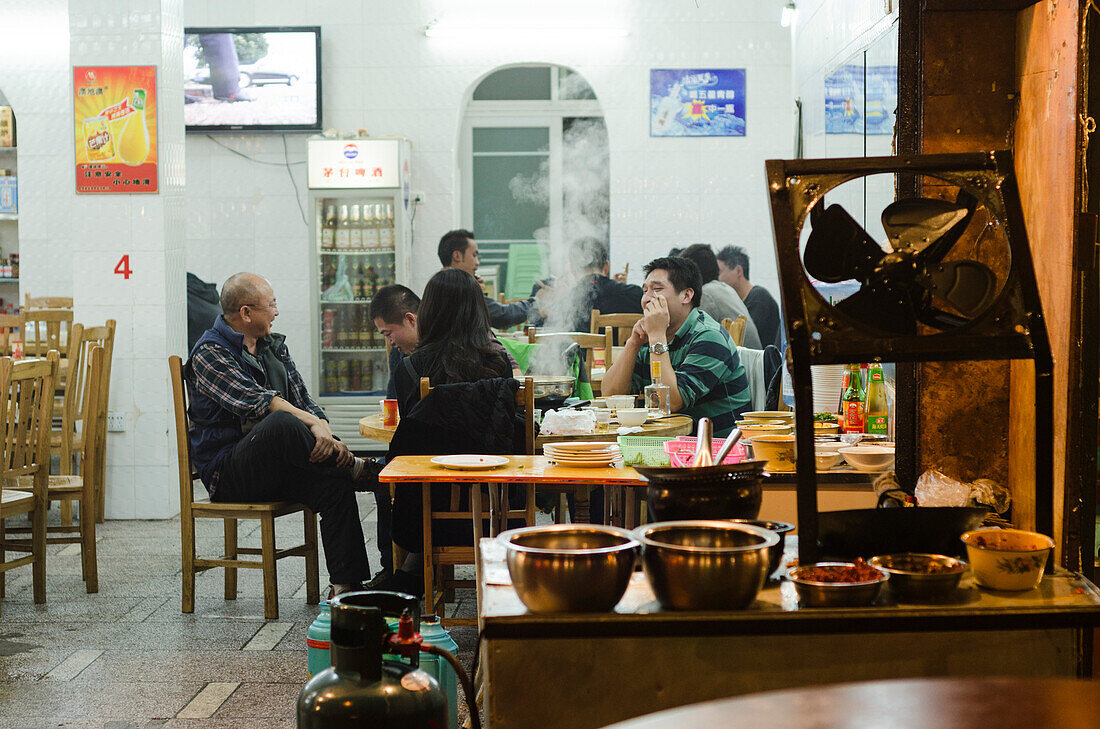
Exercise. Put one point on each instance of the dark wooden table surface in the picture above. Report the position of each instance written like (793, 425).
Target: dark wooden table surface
(948, 703)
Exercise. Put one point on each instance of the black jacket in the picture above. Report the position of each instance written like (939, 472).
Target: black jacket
(600, 292)
(467, 417)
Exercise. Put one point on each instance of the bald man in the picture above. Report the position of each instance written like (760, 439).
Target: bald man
(257, 435)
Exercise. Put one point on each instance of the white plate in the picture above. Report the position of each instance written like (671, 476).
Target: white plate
(601, 459)
(470, 462)
(603, 452)
(582, 445)
(583, 464)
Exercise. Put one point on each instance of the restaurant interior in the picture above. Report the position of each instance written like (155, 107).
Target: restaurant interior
(318, 407)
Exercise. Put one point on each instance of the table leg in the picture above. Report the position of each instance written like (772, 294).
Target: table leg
(494, 509)
(582, 498)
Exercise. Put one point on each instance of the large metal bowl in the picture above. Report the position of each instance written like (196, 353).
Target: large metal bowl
(570, 568)
(552, 385)
(705, 565)
(781, 528)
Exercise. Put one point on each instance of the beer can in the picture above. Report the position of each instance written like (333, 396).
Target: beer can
(330, 375)
(328, 328)
(355, 375)
(342, 375)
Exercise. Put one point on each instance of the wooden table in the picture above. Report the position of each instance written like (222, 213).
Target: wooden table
(610, 667)
(946, 703)
(371, 427)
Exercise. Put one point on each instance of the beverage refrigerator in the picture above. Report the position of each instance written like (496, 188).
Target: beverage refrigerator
(360, 236)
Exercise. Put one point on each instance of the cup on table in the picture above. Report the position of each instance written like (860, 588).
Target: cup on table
(603, 417)
(617, 402)
(389, 412)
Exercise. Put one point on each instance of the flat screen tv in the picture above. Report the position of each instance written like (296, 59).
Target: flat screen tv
(252, 79)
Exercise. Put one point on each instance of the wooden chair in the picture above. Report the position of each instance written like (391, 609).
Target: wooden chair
(445, 558)
(104, 336)
(47, 302)
(620, 324)
(81, 489)
(45, 329)
(26, 396)
(9, 326)
(736, 328)
(265, 512)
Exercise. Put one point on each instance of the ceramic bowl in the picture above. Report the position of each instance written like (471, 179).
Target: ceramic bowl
(822, 427)
(749, 430)
(826, 459)
(869, 459)
(777, 421)
(619, 401)
(777, 450)
(765, 415)
(632, 416)
(1007, 559)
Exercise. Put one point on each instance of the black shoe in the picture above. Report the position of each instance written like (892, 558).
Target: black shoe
(398, 581)
(380, 581)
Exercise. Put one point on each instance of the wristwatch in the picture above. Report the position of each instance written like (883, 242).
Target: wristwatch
(658, 348)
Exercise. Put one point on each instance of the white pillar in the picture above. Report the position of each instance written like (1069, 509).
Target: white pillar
(149, 306)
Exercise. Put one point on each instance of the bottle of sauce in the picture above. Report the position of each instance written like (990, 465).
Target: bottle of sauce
(878, 411)
(852, 400)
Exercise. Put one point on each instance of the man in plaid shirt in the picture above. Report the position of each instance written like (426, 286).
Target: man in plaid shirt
(257, 435)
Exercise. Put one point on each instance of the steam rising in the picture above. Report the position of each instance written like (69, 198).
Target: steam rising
(585, 213)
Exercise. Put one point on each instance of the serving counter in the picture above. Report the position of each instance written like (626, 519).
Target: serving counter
(590, 670)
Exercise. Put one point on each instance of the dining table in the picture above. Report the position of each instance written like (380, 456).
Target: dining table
(924, 703)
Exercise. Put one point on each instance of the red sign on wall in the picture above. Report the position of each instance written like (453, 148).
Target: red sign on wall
(116, 128)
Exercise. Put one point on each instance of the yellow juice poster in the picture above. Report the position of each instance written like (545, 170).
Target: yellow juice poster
(116, 128)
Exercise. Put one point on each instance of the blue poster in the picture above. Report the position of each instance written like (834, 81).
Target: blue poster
(697, 102)
(856, 103)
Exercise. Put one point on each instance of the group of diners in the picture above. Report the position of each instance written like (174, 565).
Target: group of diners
(257, 434)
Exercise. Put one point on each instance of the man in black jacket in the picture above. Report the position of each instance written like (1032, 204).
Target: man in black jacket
(571, 310)
(458, 249)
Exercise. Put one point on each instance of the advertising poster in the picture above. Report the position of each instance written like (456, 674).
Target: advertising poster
(697, 102)
(116, 128)
(859, 103)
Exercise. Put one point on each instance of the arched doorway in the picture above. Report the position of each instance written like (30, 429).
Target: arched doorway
(535, 172)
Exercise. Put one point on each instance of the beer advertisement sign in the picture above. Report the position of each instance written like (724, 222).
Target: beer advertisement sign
(116, 128)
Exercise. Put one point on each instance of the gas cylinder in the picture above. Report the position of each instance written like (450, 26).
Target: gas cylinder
(362, 689)
(317, 654)
(435, 634)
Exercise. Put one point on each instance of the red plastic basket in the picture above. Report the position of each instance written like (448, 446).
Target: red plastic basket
(681, 451)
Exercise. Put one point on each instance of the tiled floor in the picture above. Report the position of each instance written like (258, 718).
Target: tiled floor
(128, 658)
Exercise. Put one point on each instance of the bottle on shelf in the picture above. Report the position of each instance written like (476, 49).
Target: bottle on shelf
(658, 396)
(356, 226)
(355, 375)
(877, 410)
(385, 231)
(328, 327)
(343, 230)
(328, 229)
(372, 281)
(371, 230)
(853, 399)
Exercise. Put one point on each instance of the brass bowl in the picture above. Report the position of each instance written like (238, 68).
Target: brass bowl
(705, 565)
(570, 568)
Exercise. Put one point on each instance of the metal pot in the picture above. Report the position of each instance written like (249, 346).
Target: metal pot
(726, 491)
(551, 390)
(705, 565)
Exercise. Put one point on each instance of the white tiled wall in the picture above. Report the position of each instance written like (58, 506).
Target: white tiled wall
(382, 74)
(150, 306)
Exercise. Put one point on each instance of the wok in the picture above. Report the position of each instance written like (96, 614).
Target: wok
(869, 532)
(726, 491)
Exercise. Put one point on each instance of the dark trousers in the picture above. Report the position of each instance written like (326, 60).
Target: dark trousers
(271, 463)
(384, 514)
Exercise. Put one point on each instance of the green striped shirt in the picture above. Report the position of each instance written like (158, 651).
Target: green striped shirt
(709, 374)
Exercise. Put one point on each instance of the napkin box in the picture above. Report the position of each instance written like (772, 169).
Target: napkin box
(9, 199)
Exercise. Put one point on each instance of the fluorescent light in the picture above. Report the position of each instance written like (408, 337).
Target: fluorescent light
(522, 33)
(789, 11)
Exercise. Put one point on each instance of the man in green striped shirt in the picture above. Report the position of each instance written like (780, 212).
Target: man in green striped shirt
(698, 358)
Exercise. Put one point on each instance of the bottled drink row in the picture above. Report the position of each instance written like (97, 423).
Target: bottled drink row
(357, 227)
(864, 408)
(356, 375)
(348, 327)
(355, 280)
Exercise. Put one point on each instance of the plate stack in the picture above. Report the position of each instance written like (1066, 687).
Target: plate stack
(583, 454)
(828, 381)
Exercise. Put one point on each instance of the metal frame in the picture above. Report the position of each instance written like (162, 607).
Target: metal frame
(1011, 328)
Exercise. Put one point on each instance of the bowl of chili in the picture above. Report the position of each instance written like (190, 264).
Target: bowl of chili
(915, 576)
(837, 584)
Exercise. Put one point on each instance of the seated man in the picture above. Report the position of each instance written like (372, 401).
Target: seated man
(393, 311)
(733, 270)
(458, 249)
(257, 435)
(721, 301)
(568, 308)
(698, 359)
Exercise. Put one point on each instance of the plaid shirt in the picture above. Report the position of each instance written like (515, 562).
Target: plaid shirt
(218, 376)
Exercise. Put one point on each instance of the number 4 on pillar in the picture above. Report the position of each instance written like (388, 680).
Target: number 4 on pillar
(122, 268)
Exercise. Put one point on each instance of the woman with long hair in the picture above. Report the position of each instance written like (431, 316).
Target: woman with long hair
(455, 344)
